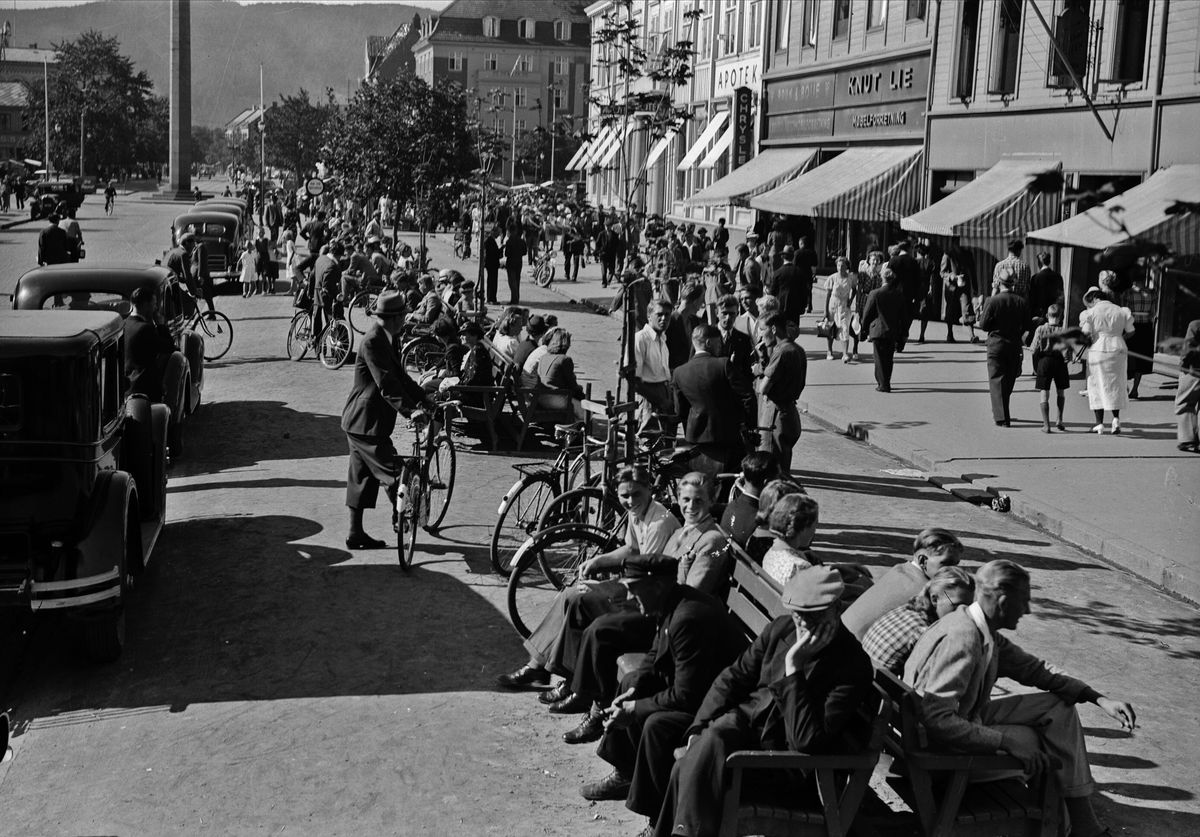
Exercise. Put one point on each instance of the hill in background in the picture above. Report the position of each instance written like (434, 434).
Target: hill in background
(310, 45)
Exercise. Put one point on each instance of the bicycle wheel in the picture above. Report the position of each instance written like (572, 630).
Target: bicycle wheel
(218, 334)
(421, 354)
(440, 466)
(519, 513)
(299, 335)
(336, 342)
(356, 311)
(409, 521)
(543, 273)
(531, 592)
(589, 506)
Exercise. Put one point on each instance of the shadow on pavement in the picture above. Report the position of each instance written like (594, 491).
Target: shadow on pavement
(876, 486)
(1109, 620)
(273, 482)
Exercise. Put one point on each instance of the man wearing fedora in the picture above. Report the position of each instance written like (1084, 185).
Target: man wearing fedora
(804, 684)
(381, 389)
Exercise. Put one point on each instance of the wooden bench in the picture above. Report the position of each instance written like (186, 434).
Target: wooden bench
(935, 784)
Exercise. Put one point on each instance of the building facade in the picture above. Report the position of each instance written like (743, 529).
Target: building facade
(389, 57)
(528, 63)
(20, 66)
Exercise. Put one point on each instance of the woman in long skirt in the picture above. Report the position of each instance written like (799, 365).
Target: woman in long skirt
(1107, 324)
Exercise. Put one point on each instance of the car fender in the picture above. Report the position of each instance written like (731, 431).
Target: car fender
(191, 344)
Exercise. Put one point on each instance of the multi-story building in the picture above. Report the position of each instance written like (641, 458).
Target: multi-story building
(527, 61)
(387, 58)
(19, 66)
(28, 64)
(13, 130)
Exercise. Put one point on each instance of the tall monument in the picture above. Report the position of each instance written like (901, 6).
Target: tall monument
(180, 182)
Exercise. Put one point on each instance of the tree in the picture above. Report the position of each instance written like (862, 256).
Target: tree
(295, 128)
(97, 92)
(533, 151)
(208, 145)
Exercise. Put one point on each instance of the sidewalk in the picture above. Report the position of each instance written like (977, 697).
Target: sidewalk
(1130, 499)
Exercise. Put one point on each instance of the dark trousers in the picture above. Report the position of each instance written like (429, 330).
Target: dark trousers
(885, 356)
(646, 754)
(372, 462)
(1004, 367)
(514, 284)
(712, 459)
(492, 282)
(608, 270)
(603, 641)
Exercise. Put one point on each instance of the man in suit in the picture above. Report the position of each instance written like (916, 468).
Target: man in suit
(805, 261)
(804, 684)
(954, 666)
(491, 264)
(747, 272)
(1005, 318)
(908, 272)
(733, 344)
(680, 324)
(381, 389)
(741, 513)
(695, 639)
(54, 245)
(1045, 288)
(885, 319)
(789, 285)
(781, 383)
(713, 400)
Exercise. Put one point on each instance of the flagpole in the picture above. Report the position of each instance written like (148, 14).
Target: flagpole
(46, 96)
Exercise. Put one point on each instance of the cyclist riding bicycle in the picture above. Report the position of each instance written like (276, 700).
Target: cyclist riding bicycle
(326, 287)
(110, 197)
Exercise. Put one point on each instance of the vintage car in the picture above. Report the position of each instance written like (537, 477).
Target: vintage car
(221, 232)
(48, 194)
(236, 206)
(83, 473)
(108, 287)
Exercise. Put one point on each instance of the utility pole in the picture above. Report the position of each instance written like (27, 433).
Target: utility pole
(553, 93)
(262, 149)
(46, 104)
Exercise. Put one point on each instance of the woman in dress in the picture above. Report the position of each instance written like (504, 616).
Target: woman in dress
(1107, 324)
(957, 285)
(839, 290)
(289, 257)
(793, 523)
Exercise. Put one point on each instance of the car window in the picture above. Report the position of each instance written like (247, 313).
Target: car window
(88, 301)
(110, 384)
(214, 229)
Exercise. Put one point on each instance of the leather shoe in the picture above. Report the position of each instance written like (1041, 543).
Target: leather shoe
(613, 786)
(364, 541)
(572, 704)
(526, 675)
(559, 692)
(589, 729)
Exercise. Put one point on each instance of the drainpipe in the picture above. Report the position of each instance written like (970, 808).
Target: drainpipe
(1156, 127)
(928, 175)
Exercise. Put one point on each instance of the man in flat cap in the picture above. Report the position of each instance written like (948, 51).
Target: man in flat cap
(696, 638)
(804, 684)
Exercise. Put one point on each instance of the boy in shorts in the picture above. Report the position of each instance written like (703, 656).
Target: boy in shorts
(1050, 364)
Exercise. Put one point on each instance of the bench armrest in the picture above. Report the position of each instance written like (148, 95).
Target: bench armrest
(477, 389)
(931, 760)
(792, 760)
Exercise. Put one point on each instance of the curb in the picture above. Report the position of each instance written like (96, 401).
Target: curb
(1161, 571)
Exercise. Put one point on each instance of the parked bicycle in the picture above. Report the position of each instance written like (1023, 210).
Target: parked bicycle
(426, 481)
(217, 330)
(544, 269)
(332, 346)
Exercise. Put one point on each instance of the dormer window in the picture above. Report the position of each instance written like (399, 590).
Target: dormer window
(562, 30)
(526, 28)
(491, 27)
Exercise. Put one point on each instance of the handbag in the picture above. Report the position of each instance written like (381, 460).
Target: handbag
(826, 328)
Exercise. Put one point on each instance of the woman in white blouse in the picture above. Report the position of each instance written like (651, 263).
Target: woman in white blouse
(1107, 324)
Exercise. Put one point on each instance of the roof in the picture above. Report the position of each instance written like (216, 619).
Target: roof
(1143, 210)
(246, 117)
(462, 22)
(997, 204)
(30, 55)
(516, 9)
(13, 94)
(121, 278)
(55, 333)
(375, 45)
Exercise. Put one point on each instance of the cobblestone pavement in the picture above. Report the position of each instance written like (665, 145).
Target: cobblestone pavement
(276, 683)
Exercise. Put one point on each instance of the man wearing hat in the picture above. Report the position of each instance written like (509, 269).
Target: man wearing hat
(789, 285)
(804, 684)
(1005, 318)
(695, 639)
(381, 389)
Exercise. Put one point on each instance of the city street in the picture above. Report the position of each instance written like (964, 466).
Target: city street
(275, 683)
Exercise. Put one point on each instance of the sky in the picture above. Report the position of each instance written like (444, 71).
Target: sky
(437, 5)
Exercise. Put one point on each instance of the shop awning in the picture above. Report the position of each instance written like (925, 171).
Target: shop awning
(599, 143)
(702, 141)
(1143, 212)
(620, 134)
(575, 163)
(766, 171)
(718, 150)
(660, 148)
(861, 184)
(997, 204)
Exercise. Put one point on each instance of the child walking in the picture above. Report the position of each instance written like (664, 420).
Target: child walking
(1050, 365)
(248, 272)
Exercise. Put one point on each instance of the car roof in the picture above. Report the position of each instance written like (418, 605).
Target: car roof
(205, 216)
(35, 285)
(55, 333)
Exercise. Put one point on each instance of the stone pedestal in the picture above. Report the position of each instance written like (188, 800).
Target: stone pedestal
(180, 180)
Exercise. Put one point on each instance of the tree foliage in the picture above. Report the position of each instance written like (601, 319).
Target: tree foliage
(120, 116)
(295, 128)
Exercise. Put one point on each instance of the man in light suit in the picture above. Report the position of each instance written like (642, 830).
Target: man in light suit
(381, 389)
(956, 663)
(713, 400)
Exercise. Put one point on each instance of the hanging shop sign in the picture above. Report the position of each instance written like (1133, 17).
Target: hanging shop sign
(743, 126)
(732, 76)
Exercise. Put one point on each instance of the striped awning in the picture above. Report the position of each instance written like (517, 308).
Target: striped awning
(614, 145)
(1141, 211)
(575, 163)
(766, 171)
(701, 144)
(599, 144)
(878, 183)
(718, 150)
(997, 204)
(660, 148)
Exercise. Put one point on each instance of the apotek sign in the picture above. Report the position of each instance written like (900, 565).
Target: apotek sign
(732, 76)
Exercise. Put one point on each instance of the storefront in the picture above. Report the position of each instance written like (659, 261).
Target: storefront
(863, 125)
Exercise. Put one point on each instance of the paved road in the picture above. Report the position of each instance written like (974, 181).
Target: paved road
(275, 683)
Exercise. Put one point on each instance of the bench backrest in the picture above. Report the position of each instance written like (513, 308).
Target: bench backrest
(906, 706)
(753, 596)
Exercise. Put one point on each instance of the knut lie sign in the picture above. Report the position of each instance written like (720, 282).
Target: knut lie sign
(743, 126)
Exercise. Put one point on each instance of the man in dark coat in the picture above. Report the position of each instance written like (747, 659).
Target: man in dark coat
(908, 273)
(713, 401)
(515, 249)
(805, 684)
(695, 639)
(1045, 288)
(148, 344)
(1005, 318)
(885, 320)
(491, 264)
(781, 383)
(805, 261)
(54, 245)
(740, 518)
(790, 286)
(733, 344)
(381, 389)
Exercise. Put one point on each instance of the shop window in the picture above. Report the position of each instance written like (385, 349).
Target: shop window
(841, 18)
(491, 27)
(1006, 49)
(783, 21)
(1129, 41)
(916, 9)
(1071, 29)
(876, 14)
(753, 24)
(968, 45)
